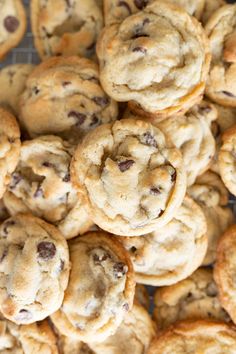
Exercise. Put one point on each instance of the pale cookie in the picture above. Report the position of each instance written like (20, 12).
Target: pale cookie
(132, 179)
(63, 96)
(12, 25)
(173, 252)
(210, 193)
(226, 159)
(65, 27)
(196, 337)
(34, 269)
(133, 336)
(12, 83)
(157, 59)
(27, 339)
(9, 147)
(221, 30)
(116, 11)
(225, 270)
(193, 298)
(100, 290)
(41, 185)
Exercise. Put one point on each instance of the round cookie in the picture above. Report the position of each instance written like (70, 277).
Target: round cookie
(100, 290)
(12, 80)
(173, 252)
(193, 298)
(226, 159)
(70, 87)
(221, 30)
(34, 269)
(9, 147)
(65, 28)
(133, 336)
(12, 25)
(27, 339)
(196, 337)
(224, 271)
(131, 178)
(41, 185)
(212, 196)
(157, 59)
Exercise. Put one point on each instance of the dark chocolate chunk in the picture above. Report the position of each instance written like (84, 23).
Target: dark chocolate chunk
(66, 83)
(125, 165)
(35, 90)
(94, 120)
(140, 4)
(133, 249)
(160, 212)
(47, 164)
(124, 4)
(80, 117)
(126, 307)
(155, 191)
(101, 101)
(140, 49)
(24, 315)
(46, 250)
(66, 177)
(227, 93)
(139, 34)
(149, 139)
(119, 269)
(11, 23)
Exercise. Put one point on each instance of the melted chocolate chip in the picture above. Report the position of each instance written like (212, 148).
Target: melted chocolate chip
(15, 179)
(66, 83)
(155, 191)
(39, 192)
(66, 177)
(36, 90)
(149, 139)
(46, 250)
(94, 121)
(6, 226)
(227, 93)
(140, 4)
(133, 249)
(119, 269)
(139, 34)
(4, 253)
(125, 165)
(140, 49)
(126, 307)
(124, 4)
(80, 117)
(173, 176)
(24, 315)
(101, 101)
(11, 23)
(47, 164)
(161, 212)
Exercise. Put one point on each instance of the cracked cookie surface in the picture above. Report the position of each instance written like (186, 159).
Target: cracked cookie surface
(132, 179)
(100, 290)
(34, 269)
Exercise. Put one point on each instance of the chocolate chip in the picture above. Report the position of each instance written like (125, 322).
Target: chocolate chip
(119, 269)
(101, 101)
(124, 4)
(140, 49)
(227, 93)
(80, 117)
(94, 121)
(66, 83)
(58, 54)
(126, 307)
(160, 212)
(39, 192)
(155, 191)
(46, 250)
(125, 165)
(140, 4)
(149, 139)
(36, 90)
(4, 253)
(66, 177)
(204, 109)
(11, 23)
(47, 164)
(139, 34)
(146, 21)
(24, 315)
(62, 265)
(6, 226)
(173, 176)
(15, 179)
(11, 140)
(101, 258)
(133, 249)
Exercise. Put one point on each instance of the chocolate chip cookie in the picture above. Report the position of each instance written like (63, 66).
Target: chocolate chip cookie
(9, 147)
(157, 59)
(212, 196)
(173, 252)
(34, 269)
(100, 290)
(71, 88)
(41, 185)
(12, 25)
(65, 28)
(12, 82)
(193, 298)
(132, 179)
(221, 30)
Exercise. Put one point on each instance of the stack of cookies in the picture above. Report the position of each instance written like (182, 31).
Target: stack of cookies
(117, 160)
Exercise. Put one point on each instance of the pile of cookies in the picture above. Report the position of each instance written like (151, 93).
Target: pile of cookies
(117, 157)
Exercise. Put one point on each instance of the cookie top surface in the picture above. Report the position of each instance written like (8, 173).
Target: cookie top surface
(100, 290)
(221, 31)
(34, 269)
(41, 185)
(224, 271)
(9, 147)
(141, 59)
(196, 337)
(69, 86)
(172, 252)
(12, 25)
(66, 27)
(192, 298)
(146, 174)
